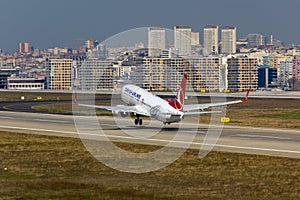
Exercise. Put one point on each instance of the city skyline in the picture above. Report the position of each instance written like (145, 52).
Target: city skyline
(47, 24)
(133, 37)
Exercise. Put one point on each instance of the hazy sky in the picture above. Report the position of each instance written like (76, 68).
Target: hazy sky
(49, 23)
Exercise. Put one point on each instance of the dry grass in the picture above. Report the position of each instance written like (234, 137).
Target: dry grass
(44, 167)
(281, 113)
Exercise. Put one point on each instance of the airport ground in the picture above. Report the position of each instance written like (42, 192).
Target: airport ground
(262, 109)
(35, 166)
(279, 113)
(48, 167)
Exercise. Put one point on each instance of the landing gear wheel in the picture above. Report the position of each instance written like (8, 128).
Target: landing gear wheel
(140, 122)
(136, 121)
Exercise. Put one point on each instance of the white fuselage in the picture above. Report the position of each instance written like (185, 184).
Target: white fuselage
(150, 104)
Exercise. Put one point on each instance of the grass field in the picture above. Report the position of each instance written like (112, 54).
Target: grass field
(44, 167)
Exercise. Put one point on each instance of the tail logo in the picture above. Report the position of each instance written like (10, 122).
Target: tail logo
(179, 101)
(180, 97)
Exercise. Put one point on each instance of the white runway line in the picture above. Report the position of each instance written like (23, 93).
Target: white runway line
(50, 120)
(262, 129)
(157, 140)
(3, 117)
(262, 136)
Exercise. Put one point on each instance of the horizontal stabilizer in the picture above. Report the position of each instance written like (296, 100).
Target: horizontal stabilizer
(201, 112)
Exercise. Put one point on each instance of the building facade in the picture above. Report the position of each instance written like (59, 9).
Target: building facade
(195, 38)
(296, 68)
(242, 73)
(25, 83)
(267, 77)
(96, 74)
(3, 80)
(211, 40)
(229, 40)
(286, 73)
(255, 39)
(156, 41)
(207, 74)
(24, 48)
(165, 74)
(274, 61)
(182, 40)
(59, 74)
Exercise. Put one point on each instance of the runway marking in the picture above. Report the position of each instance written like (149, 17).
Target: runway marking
(262, 136)
(3, 117)
(262, 128)
(50, 120)
(158, 140)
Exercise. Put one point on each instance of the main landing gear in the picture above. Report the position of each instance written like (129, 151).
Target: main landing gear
(138, 121)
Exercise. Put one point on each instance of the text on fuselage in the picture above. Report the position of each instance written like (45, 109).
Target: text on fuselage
(132, 93)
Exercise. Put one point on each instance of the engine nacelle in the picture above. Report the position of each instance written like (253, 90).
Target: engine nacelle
(120, 113)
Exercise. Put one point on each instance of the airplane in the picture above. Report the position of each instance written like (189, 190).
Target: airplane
(140, 103)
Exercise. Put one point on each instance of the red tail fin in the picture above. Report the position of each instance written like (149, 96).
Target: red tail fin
(179, 100)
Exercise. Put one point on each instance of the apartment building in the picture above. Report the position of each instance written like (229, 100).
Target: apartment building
(242, 73)
(96, 74)
(59, 74)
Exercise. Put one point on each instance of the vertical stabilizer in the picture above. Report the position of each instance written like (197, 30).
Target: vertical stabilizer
(179, 100)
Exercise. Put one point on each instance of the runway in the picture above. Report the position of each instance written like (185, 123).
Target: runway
(250, 140)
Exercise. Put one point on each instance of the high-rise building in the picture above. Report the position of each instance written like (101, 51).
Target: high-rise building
(296, 68)
(99, 52)
(255, 39)
(274, 62)
(156, 41)
(182, 37)
(195, 38)
(211, 40)
(242, 73)
(286, 72)
(24, 47)
(59, 74)
(229, 40)
(91, 44)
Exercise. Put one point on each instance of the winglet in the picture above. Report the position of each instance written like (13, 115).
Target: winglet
(245, 99)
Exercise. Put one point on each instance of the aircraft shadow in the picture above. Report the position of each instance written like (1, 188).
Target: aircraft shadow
(163, 129)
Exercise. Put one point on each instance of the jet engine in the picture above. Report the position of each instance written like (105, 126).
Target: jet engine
(120, 113)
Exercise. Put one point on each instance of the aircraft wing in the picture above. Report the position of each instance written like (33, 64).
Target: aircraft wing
(119, 108)
(192, 107)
